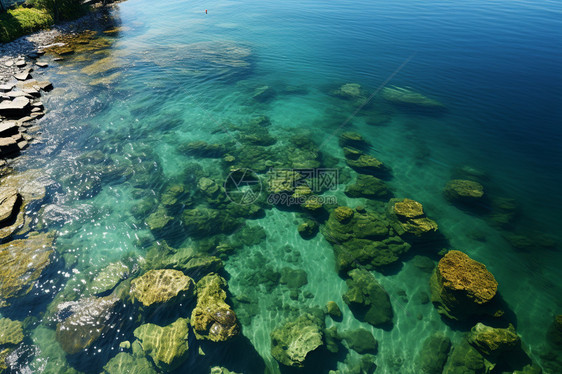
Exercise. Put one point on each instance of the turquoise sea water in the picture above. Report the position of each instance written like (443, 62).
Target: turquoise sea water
(174, 74)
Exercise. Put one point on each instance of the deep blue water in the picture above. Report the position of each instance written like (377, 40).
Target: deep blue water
(178, 75)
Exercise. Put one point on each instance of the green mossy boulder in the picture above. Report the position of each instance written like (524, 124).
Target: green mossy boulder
(202, 222)
(91, 319)
(308, 229)
(108, 278)
(293, 278)
(333, 310)
(410, 220)
(125, 362)
(407, 97)
(22, 262)
(352, 139)
(11, 332)
(361, 341)
(162, 286)
(433, 354)
(366, 164)
(368, 187)
(350, 91)
(464, 359)
(204, 149)
(366, 298)
(492, 341)
(159, 221)
(461, 286)
(168, 345)
(213, 319)
(463, 191)
(292, 342)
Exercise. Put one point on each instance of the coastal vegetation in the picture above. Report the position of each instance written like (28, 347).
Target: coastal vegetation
(37, 15)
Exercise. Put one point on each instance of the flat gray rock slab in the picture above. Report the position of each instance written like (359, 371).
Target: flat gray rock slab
(19, 103)
(14, 94)
(6, 87)
(22, 76)
(42, 64)
(8, 128)
(9, 63)
(9, 203)
(20, 63)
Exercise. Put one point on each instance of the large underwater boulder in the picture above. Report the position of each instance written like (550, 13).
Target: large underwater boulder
(461, 286)
(168, 345)
(367, 299)
(407, 97)
(465, 359)
(125, 362)
(433, 354)
(162, 286)
(369, 187)
(463, 191)
(492, 341)
(410, 219)
(212, 318)
(362, 238)
(91, 319)
(292, 342)
(361, 341)
(21, 263)
(11, 332)
(554, 334)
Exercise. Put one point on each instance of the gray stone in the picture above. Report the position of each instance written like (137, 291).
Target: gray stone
(42, 64)
(18, 104)
(10, 200)
(8, 128)
(23, 76)
(8, 146)
(20, 63)
(14, 94)
(6, 87)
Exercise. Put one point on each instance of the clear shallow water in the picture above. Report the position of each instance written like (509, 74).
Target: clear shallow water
(183, 74)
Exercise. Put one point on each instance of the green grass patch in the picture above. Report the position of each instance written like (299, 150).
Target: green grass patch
(21, 21)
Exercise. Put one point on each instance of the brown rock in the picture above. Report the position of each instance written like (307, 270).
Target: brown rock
(10, 201)
(461, 286)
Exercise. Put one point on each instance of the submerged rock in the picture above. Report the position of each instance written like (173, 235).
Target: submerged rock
(366, 298)
(405, 96)
(350, 91)
(369, 187)
(410, 219)
(333, 310)
(108, 278)
(461, 286)
(353, 139)
(308, 229)
(10, 202)
(167, 345)
(263, 94)
(201, 222)
(21, 264)
(91, 319)
(213, 319)
(125, 362)
(292, 342)
(361, 341)
(433, 354)
(464, 359)
(362, 238)
(492, 341)
(11, 332)
(463, 191)
(162, 286)
(204, 149)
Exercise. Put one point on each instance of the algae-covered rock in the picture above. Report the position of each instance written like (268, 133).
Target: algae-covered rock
(350, 91)
(292, 342)
(352, 139)
(264, 94)
(91, 319)
(10, 201)
(464, 359)
(204, 149)
(167, 345)
(362, 238)
(433, 354)
(369, 187)
(463, 191)
(366, 298)
(125, 362)
(159, 221)
(367, 164)
(201, 222)
(492, 341)
(162, 286)
(11, 332)
(408, 97)
(293, 278)
(212, 318)
(361, 341)
(21, 264)
(410, 219)
(308, 229)
(333, 310)
(461, 286)
(108, 278)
